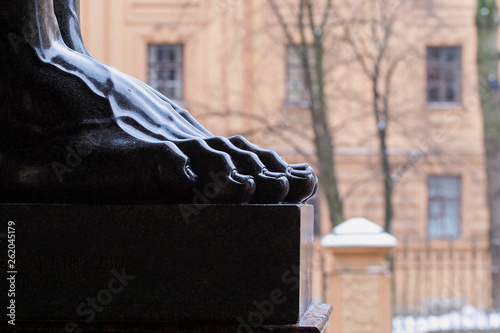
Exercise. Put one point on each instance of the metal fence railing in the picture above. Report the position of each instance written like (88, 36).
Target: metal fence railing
(443, 286)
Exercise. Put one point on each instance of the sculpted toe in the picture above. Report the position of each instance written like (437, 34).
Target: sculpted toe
(302, 184)
(272, 188)
(218, 179)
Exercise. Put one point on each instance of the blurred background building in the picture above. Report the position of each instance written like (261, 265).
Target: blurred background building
(230, 63)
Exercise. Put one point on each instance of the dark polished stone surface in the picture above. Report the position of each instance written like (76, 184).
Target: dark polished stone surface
(84, 264)
(314, 321)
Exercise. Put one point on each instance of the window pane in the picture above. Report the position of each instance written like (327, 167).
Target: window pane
(450, 95)
(450, 217)
(171, 55)
(450, 76)
(165, 64)
(433, 74)
(444, 206)
(296, 88)
(449, 187)
(451, 55)
(433, 95)
(434, 230)
(161, 75)
(434, 209)
(433, 53)
(444, 74)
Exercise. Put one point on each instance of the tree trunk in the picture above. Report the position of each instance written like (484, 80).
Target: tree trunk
(387, 178)
(487, 62)
(323, 138)
(327, 177)
(381, 118)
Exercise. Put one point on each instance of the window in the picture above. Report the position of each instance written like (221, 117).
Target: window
(444, 74)
(444, 206)
(296, 91)
(165, 69)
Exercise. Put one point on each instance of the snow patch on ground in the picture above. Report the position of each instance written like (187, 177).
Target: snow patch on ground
(468, 318)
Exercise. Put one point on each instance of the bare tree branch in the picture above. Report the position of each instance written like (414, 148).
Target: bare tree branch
(359, 56)
(326, 14)
(311, 15)
(282, 22)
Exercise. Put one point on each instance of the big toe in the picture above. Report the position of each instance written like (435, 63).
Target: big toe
(302, 185)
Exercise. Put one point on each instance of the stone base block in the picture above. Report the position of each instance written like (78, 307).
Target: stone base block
(220, 264)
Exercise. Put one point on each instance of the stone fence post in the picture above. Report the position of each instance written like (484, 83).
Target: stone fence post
(358, 280)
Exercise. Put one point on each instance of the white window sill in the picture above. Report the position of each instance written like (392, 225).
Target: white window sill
(297, 105)
(444, 105)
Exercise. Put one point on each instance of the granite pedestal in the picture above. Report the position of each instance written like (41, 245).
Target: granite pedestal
(228, 265)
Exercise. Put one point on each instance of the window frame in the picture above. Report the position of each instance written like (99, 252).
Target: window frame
(444, 104)
(459, 199)
(303, 103)
(182, 80)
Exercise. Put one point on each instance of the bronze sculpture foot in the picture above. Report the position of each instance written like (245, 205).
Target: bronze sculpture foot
(55, 95)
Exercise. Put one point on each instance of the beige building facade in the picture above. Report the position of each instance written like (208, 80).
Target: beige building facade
(228, 63)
